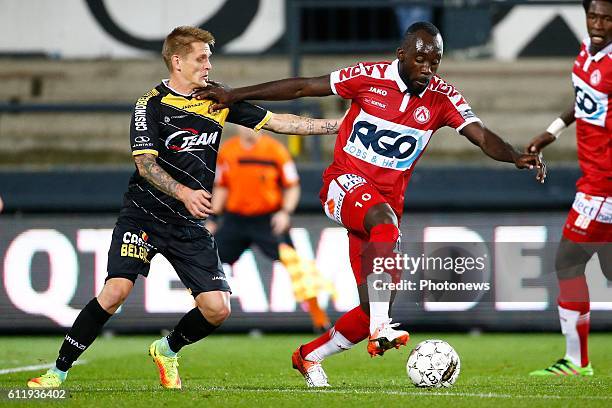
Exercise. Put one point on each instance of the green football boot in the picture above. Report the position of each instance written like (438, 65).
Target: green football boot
(564, 367)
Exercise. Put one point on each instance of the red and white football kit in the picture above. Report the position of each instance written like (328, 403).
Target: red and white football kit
(379, 142)
(383, 135)
(590, 219)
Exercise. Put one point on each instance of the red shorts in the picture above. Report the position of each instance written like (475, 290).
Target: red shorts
(348, 199)
(589, 220)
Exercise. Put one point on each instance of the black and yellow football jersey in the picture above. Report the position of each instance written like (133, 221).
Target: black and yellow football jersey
(185, 138)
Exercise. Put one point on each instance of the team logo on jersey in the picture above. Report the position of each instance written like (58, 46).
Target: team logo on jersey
(385, 144)
(421, 114)
(595, 77)
(188, 140)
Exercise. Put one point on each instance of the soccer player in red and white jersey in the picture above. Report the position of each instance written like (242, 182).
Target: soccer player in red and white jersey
(588, 228)
(396, 107)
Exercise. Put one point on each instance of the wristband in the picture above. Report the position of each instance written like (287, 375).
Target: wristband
(556, 127)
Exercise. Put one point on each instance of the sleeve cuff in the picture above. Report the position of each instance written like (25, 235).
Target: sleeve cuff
(467, 122)
(333, 78)
(263, 121)
(145, 151)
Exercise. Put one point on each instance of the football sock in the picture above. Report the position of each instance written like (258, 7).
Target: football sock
(83, 332)
(61, 374)
(379, 311)
(192, 327)
(574, 316)
(382, 242)
(350, 329)
(164, 348)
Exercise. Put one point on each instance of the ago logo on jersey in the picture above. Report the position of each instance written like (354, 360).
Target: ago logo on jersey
(385, 144)
(591, 105)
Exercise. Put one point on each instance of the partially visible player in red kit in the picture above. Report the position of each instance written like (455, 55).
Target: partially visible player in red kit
(588, 228)
(396, 107)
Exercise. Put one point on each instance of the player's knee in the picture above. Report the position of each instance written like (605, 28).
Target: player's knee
(113, 296)
(381, 214)
(570, 262)
(217, 315)
(215, 312)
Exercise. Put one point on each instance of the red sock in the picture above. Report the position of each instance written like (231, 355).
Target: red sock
(574, 312)
(354, 325)
(573, 293)
(350, 329)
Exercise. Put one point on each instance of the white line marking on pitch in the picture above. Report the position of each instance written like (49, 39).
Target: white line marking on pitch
(32, 367)
(412, 394)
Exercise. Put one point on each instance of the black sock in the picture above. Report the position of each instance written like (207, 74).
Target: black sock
(83, 332)
(191, 328)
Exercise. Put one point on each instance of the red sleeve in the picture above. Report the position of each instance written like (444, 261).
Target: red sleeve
(457, 112)
(346, 82)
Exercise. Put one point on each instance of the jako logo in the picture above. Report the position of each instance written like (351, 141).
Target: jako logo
(188, 140)
(378, 91)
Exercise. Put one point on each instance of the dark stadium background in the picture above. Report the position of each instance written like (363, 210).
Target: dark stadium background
(64, 155)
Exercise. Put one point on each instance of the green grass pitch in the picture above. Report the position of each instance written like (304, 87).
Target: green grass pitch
(244, 371)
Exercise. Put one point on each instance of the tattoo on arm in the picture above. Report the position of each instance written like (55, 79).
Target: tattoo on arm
(298, 125)
(158, 177)
(310, 127)
(331, 127)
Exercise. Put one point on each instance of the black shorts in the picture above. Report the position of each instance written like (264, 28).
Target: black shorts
(237, 233)
(191, 250)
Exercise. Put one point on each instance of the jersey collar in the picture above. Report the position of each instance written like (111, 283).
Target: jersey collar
(600, 54)
(398, 79)
(166, 84)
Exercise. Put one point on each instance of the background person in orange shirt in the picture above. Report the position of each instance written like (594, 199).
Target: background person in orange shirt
(257, 189)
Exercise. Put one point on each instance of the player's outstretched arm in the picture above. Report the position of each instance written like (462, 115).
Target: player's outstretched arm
(495, 147)
(288, 124)
(197, 202)
(552, 133)
(281, 90)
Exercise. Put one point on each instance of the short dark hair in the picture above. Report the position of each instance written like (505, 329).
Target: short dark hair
(426, 26)
(587, 3)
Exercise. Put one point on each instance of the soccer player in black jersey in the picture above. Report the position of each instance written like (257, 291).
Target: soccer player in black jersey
(174, 143)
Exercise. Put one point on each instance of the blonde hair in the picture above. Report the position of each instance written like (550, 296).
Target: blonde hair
(178, 42)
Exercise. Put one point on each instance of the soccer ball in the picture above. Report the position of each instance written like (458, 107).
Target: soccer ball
(433, 364)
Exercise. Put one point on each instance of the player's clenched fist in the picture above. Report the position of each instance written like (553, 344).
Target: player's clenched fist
(197, 202)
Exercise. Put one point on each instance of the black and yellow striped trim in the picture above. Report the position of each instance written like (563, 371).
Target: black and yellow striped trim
(145, 151)
(265, 120)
